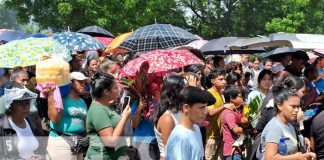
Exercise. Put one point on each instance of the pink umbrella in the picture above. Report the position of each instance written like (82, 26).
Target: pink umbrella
(162, 61)
(311, 57)
(104, 40)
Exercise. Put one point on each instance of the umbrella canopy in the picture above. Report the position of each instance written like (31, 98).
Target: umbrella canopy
(219, 47)
(278, 53)
(105, 41)
(11, 35)
(38, 35)
(298, 41)
(157, 36)
(3, 30)
(161, 61)
(319, 52)
(78, 41)
(29, 51)
(113, 46)
(96, 31)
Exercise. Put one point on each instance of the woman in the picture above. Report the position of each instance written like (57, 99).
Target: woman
(69, 122)
(265, 80)
(268, 109)
(168, 114)
(104, 125)
(233, 79)
(287, 103)
(16, 123)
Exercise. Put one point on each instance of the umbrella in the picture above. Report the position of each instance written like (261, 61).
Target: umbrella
(78, 41)
(104, 40)
(3, 30)
(161, 61)
(219, 47)
(298, 41)
(113, 46)
(11, 35)
(29, 51)
(38, 35)
(278, 53)
(157, 36)
(319, 52)
(96, 31)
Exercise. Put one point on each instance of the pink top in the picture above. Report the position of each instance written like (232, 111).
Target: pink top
(229, 120)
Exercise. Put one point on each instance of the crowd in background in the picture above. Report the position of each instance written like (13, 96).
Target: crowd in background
(195, 112)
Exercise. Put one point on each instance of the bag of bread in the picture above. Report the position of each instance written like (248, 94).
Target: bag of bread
(56, 71)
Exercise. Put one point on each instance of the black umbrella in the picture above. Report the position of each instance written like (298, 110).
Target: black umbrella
(96, 31)
(278, 53)
(219, 47)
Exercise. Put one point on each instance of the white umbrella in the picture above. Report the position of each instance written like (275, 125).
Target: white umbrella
(297, 41)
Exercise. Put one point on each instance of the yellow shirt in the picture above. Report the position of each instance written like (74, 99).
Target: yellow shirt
(213, 130)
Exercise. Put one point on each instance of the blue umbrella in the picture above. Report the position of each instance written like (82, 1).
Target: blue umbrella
(78, 41)
(11, 35)
(37, 35)
(157, 36)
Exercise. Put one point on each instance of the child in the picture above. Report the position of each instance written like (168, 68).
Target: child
(231, 121)
(185, 141)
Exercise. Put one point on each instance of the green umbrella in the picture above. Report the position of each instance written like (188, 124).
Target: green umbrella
(29, 51)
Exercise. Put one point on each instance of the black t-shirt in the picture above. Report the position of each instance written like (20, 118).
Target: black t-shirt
(317, 131)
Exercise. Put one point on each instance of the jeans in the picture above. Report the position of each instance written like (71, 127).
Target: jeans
(234, 157)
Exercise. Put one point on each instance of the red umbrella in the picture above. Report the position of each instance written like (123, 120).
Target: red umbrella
(104, 40)
(162, 61)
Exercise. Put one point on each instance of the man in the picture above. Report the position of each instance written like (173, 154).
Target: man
(185, 141)
(297, 63)
(213, 148)
(209, 64)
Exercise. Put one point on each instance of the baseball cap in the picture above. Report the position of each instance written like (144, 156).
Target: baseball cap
(78, 76)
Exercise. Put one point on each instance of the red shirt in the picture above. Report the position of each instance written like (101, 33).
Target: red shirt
(229, 119)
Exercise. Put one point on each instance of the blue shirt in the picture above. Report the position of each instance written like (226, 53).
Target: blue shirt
(73, 117)
(320, 83)
(144, 131)
(185, 144)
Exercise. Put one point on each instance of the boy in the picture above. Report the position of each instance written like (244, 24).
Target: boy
(185, 141)
(217, 82)
(230, 120)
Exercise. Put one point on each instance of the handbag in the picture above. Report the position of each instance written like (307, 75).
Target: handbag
(79, 144)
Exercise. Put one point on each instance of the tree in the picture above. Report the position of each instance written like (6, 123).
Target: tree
(117, 16)
(8, 18)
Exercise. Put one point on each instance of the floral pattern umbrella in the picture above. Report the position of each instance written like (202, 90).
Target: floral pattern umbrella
(162, 61)
(29, 51)
(78, 41)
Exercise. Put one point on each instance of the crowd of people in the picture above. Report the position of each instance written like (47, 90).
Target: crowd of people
(191, 113)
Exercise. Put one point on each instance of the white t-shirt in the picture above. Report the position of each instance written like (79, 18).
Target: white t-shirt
(27, 142)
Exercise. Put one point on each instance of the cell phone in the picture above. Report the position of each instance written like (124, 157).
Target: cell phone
(126, 101)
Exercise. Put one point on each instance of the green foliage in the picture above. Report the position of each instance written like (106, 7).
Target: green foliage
(254, 106)
(7, 18)
(206, 18)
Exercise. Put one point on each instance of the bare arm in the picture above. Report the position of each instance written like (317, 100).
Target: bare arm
(219, 110)
(238, 130)
(165, 126)
(271, 153)
(312, 144)
(110, 136)
(136, 119)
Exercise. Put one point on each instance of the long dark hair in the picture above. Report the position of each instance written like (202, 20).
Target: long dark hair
(100, 82)
(169, 99)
